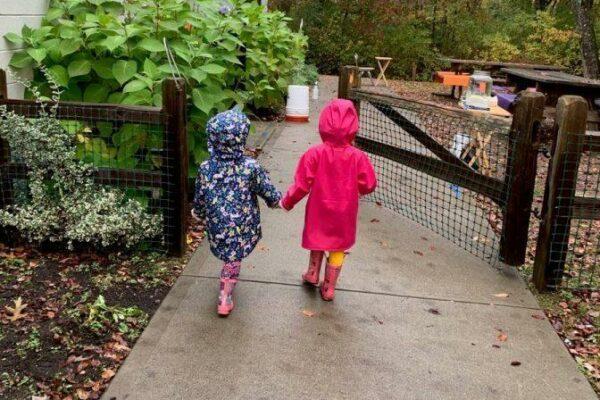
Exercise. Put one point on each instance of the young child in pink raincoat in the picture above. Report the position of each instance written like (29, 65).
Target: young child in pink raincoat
(334, 174)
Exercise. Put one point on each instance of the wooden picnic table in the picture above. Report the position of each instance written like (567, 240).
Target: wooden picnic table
(459, 65)
(554, 84)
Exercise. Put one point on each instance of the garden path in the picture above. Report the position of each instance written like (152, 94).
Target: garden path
(403, 326)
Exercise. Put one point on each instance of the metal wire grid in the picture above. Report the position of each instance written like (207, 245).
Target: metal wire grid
(128, 150)
(577, 241)
(470, 220)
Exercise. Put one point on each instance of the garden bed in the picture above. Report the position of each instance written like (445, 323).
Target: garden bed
(68, 321)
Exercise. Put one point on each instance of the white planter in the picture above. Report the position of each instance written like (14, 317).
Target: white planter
(298, 103)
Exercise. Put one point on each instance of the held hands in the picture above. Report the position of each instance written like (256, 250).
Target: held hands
(195, 217)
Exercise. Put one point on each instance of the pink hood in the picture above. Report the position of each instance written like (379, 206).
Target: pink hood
(338, 123)
(334, 174)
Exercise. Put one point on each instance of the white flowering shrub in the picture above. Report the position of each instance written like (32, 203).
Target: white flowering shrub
(64, 203)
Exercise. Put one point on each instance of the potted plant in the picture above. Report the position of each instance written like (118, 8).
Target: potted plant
(298, 102)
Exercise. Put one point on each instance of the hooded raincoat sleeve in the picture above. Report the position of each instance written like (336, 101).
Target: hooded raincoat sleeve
(263, 187)
(303, 180)
(367, 180)
(200, 198)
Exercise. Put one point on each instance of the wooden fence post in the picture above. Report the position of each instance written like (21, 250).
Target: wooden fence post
(520, 176)
(349, 79)
(561, 185)
(175, 107)
(3, 85)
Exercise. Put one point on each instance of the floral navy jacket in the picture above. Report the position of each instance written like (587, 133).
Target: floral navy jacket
(227, 189)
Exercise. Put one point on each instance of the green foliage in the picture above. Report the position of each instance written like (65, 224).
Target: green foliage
(305, 74)
(110, 51)
(64, 203)
(415, 34)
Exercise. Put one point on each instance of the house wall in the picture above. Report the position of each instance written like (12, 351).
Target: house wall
(13, 15)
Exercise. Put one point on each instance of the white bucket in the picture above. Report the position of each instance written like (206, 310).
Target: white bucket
(298, 103)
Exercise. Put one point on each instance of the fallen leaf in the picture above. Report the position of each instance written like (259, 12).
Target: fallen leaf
(496, 346)
(434, 311)
(82, 394)
(107, 374)
(503, 337)
(308, 313)
(378, 203)
(262, 248)
(417, 252)
(515, 363)
(537, 316)
(375, 221)
(16, 311)
(501, 295)
(424, 238)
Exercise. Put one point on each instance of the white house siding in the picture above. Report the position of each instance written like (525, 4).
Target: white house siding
(13, 15)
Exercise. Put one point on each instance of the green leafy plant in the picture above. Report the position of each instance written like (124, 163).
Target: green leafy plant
(64, 204)
(129, 320)
(305, 74)
(113, 51)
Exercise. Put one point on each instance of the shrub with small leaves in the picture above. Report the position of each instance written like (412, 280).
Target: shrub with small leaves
(64, 204)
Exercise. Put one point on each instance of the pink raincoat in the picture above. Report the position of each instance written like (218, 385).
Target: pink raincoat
(335, 174)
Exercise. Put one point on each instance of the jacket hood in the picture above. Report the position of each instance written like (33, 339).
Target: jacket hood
(227, 133)
(338, 123)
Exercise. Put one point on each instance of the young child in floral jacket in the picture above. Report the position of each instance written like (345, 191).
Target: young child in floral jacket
(226, 199)
(334, 174)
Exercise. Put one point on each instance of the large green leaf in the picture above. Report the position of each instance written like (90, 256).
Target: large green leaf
(69, 46)
(112, 42)
(79, 68)
(198, 75)
(134, 86)
(139, 98)
(95, 93)
(69, 32)
(214, 69)
(130, 133)
(103, 67)
(127, 150)
(150, 69)
(38, 54)
(123, 70)
(54, 13)
(21, 60)
(14, 38)
(60, 75)
(151, 45)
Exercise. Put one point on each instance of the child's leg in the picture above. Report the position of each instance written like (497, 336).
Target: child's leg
(332, 272)
(229, 277)
(314, 267)
(336, 259)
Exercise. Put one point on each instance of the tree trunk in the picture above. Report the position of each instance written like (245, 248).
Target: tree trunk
(583, 10)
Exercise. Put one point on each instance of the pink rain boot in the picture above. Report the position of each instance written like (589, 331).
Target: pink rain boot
(225, 305)
(328, 286)
(311, 276)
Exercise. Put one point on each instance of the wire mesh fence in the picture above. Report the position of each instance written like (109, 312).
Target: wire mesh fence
(133, 150)
(445, 170)
(574, 254)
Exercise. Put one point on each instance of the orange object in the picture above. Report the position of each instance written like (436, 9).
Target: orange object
(450, 78)
(296, 118)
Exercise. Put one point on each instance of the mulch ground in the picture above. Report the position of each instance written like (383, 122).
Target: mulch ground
(68, 321)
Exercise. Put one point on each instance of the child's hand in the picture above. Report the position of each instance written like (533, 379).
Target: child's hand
(280, 205)
(195, 216)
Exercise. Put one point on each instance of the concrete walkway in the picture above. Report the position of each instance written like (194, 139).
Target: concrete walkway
(403, 326)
